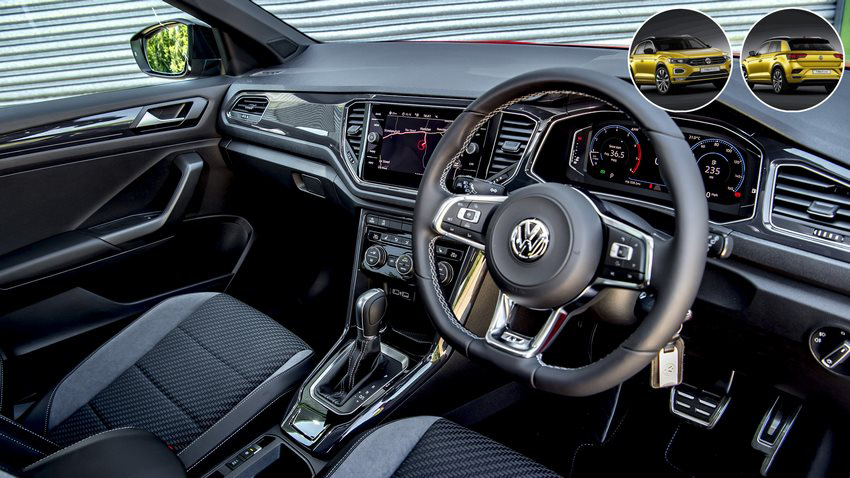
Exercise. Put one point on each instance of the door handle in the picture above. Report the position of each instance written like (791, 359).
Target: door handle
(118, 232)
(171, 114)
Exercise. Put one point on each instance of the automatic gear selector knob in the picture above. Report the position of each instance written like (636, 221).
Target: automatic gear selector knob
(369, 312)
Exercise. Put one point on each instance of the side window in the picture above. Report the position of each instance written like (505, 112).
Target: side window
(639, 49)
(764, 48)
(774, 47)
(57, 50)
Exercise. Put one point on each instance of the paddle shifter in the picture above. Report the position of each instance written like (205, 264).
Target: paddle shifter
(365, 360)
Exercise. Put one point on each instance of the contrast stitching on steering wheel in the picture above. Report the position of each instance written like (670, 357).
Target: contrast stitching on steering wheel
(434, 281)
(456, 160)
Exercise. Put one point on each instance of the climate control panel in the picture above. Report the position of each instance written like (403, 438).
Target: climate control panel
(387, 250)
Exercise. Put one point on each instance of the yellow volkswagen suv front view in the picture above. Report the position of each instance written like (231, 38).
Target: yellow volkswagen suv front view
(786, 63)
(669, 62)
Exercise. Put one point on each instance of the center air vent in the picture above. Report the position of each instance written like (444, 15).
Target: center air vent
(514, 134)
(811, 203)
(354, 127)
(249, 108)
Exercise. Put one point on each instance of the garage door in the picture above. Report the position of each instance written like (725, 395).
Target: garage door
(51, 48)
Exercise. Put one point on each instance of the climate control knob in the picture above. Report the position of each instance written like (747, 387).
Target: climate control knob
(375, 257)
(404, 265)
(445, 273)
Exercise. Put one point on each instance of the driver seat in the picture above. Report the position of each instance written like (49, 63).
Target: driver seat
(423, 447)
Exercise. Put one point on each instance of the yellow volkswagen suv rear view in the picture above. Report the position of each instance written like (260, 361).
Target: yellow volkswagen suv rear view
(668, 62)
(786, 63)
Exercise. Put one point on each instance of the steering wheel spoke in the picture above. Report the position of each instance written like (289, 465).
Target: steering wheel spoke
(627, 257)
(465, 218)
(501, 336)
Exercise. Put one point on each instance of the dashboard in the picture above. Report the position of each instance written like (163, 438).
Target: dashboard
(765, 173)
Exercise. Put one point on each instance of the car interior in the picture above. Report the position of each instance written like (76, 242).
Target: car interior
(417, 259)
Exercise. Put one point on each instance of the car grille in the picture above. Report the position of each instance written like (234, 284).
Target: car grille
(712, 60)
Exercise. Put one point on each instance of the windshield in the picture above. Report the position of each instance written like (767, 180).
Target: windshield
(810, 44)
(670, 44)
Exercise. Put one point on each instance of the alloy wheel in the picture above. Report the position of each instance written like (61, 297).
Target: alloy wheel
(662, 80)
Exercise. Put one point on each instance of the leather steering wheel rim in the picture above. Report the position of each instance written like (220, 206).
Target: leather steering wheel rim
(683, 264)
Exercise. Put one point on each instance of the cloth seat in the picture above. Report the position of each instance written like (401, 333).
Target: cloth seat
(192, 371)
(431, 446)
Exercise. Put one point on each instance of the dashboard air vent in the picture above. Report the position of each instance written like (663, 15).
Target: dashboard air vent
(354, 127)
(811, 203)
(249, 108)
(513, 137)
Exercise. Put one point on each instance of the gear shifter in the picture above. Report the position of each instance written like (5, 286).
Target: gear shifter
(365, 359)
(369, 312)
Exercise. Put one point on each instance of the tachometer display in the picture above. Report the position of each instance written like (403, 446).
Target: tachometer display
(722, 167)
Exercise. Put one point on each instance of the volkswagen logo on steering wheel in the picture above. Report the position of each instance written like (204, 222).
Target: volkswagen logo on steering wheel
(529, 240)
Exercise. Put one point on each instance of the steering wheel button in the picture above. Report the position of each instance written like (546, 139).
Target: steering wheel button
(471, 215)
(621, 251)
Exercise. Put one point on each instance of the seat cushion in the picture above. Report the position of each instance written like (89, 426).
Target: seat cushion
(192, 370)
(431, 446)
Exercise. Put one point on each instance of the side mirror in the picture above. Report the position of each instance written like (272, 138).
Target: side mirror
(176, 49)
(752, 53)
(649, 51)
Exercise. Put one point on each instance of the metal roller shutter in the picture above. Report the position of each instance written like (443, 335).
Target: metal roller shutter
(55, 48)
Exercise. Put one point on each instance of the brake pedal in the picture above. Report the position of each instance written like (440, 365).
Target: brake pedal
(774, 427)
(697, 406)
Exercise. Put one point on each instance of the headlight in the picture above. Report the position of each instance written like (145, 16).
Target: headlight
(676, 60)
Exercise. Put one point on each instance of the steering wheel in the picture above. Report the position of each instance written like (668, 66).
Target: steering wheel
(552, 247)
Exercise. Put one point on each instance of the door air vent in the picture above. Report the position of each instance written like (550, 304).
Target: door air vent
(811, 203)
(249, 108)
(514, 134)
(354, 127)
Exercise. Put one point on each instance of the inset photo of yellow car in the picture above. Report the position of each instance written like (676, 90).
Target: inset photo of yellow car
(680, 59)
(792, 59)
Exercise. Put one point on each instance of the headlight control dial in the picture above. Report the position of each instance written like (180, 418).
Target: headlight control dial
(831, 348)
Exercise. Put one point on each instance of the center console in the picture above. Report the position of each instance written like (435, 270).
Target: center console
(388, 347)
(390, 344)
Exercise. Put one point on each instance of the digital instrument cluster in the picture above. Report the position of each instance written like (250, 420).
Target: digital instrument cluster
(608, 153)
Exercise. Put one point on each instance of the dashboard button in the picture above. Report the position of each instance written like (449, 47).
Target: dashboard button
(375, 257)
(404, 266)
(445, 273)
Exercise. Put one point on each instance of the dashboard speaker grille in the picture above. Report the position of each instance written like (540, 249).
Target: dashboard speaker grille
(514, 134)
(811, 202)
(354, 126)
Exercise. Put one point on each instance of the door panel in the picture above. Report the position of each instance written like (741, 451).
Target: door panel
(93, 230)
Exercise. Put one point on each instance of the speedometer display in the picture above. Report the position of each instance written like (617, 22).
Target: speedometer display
(722, 167)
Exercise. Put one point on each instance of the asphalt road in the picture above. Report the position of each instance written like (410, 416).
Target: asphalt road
(801, 98)
(683, 98)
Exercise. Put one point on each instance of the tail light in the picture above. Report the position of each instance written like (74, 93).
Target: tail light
(840, 56)
(796, 56)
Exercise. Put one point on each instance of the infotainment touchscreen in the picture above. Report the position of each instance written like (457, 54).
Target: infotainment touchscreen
(400, 140)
